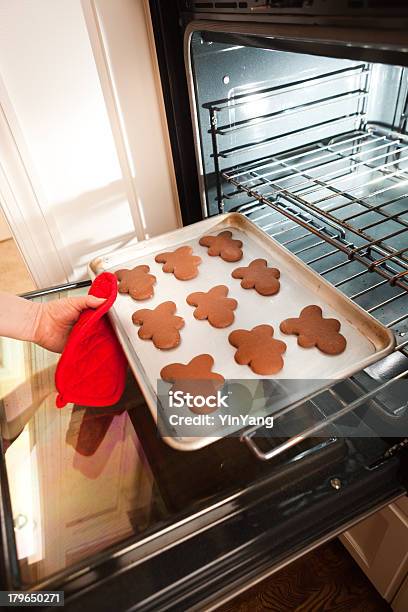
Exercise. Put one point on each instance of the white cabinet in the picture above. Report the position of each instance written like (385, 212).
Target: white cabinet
(379, 545)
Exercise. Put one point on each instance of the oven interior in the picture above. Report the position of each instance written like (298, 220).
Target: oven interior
(314, 149)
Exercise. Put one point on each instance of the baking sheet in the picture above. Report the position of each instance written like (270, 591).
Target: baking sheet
(367, 339)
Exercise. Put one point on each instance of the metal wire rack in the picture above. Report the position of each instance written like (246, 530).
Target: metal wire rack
(373, 388)
(339, 203)
(352, 192)
(238, 124)
(350, 195)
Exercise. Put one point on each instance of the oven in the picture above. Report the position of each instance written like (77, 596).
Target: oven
(297, 118)
(293, 114)
(299, 122)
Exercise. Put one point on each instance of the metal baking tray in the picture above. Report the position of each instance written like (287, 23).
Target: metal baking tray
(367, 340)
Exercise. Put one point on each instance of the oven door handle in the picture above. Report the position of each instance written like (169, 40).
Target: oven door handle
(248, 438)
(293, 440)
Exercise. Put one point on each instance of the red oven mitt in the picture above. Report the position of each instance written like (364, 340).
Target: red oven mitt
(92, 368)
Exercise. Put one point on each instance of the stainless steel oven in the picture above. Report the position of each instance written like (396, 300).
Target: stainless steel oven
(297, 118)
(299, 121)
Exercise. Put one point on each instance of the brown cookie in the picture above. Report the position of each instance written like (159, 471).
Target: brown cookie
(138, 283)
(223, 245)
(214, 306)
(181, 262)
(159, 325)
(194, 377)
(257, 275)
(313, 330)
(258, 349)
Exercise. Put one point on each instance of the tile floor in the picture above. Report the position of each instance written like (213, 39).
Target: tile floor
(325, 580)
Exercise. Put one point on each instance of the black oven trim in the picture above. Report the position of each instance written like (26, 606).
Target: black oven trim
(228, 554)
(169, 49)
(387, 54)
(9, 568)
(388, 17)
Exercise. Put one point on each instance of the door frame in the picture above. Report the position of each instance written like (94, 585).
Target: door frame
(24, 204)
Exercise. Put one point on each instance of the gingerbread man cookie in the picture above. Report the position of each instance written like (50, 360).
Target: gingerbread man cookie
(223, 245)
(159, 325)
(313, 329)
(138, 283)
(257, 275)
(181, 262)
(258, 349)
(214, 306)
(195, 377)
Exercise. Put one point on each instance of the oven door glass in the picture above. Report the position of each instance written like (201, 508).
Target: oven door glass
(81, 483)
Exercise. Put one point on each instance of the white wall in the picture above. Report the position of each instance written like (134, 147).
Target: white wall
(56, 111)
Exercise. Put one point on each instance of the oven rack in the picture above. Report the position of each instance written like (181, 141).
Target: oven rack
(257, 119)
(351, 192)
(339, 204)
(300, 189)
(348, 275)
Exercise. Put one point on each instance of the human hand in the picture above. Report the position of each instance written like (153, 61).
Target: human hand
(55, 320)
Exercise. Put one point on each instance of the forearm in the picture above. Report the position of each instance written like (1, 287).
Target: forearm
(18, 317)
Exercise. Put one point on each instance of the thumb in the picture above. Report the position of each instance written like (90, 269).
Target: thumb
(93, 302)
(86, 301)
